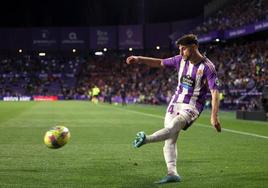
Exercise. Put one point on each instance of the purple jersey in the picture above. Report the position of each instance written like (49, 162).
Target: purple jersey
(194, 81)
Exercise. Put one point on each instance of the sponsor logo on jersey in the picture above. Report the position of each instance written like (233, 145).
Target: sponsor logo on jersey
(187, 82)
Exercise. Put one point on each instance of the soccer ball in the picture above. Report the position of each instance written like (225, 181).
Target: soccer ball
(57, 137)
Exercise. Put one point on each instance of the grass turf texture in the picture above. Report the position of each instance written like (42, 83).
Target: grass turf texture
(100, 153)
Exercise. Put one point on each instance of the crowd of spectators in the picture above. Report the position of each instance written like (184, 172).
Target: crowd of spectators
(235, 14)
(34, 75)
(242, 70)
(141, 83)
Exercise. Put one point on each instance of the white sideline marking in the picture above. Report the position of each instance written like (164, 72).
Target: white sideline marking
(237, 132)
(200, 124)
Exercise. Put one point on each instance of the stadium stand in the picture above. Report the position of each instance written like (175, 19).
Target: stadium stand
(242, 68)
(234, 15)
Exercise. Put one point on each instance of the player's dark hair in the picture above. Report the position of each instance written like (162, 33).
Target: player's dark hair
(187, 40)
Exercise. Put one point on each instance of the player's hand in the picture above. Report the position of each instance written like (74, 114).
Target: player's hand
(132, 59)
(215, 122)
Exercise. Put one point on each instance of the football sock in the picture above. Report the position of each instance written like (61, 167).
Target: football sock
(170, 154)
(159, 135)
(173, 128)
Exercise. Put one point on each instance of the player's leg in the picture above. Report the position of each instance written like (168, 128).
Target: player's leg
(170, 154)
(175, 124)
(141, 137)
(170, 149)
(169, 131)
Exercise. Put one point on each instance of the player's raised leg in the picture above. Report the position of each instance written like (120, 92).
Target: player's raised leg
(176, 124)
(139, 140)
(173, 124)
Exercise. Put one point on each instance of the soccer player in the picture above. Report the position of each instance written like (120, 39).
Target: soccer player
(123, 95)
(196, 76)
(95, 94)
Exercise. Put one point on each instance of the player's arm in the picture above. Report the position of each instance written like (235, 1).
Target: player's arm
(152, 62)
(213, 84)
(214, 109)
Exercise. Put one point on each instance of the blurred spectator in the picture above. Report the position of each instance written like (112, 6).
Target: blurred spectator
(234, 15)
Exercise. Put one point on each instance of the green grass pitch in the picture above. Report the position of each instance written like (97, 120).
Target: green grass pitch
(100, 153)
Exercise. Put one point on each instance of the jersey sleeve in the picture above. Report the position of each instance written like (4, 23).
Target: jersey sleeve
(212, 78)
(172, 62)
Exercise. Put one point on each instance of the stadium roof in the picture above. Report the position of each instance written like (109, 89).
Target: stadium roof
(96, 12)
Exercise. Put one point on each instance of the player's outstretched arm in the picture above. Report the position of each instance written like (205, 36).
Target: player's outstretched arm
(214, 111)
(152, 62)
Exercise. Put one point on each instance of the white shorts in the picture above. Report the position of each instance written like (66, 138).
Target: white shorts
(188, 112)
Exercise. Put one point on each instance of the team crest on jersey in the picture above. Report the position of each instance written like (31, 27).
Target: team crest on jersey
(199, 72)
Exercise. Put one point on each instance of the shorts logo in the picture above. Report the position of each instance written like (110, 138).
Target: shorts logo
(190, 112)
